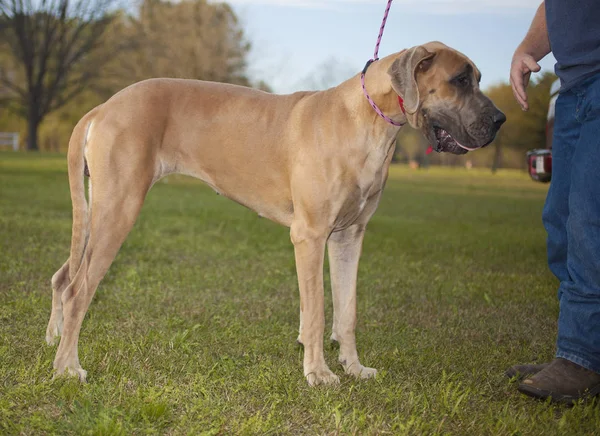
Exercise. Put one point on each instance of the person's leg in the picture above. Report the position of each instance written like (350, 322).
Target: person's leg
(579, 319)
(575, 373)
(556, 208)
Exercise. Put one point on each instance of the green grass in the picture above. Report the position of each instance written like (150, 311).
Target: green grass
(193, 329)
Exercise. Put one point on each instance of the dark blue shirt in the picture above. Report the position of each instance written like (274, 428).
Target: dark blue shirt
(574, 32)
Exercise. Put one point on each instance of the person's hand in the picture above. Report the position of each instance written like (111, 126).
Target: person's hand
(521, 67)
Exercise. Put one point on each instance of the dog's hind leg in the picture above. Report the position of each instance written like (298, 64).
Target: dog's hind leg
(80, 230)
(113, 216)
(121, 180)
(344, 248)
(60, 281)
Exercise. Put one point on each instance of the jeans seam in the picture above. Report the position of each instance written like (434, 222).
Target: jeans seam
(579, 107)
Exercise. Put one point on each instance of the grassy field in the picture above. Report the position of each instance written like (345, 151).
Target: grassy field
(193, 329)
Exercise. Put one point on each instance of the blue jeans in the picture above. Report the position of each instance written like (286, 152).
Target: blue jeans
(571, 217)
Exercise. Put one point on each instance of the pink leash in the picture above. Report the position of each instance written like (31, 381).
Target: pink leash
(376, 58)
(364, 71)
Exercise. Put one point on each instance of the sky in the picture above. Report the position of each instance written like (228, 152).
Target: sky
(312, 44)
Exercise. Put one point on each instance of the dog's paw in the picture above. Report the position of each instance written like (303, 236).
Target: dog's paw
(71, 369)
(365, 372)
(52, 338)
(322, 376)
(78, 372)
(53, 331)
(357, 370)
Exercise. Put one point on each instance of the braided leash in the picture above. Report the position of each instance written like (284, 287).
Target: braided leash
(376, 58)
(385, 17)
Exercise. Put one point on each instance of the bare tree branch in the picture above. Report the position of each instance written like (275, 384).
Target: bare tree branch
(12, 87)
(53, 42)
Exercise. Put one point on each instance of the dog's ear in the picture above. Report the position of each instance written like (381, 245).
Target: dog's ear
(404, 75)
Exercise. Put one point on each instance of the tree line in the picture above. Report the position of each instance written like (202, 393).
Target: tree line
(60, 58)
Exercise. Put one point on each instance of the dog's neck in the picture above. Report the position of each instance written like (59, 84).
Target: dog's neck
(378, 85)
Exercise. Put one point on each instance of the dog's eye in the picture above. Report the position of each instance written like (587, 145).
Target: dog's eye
(462, 81)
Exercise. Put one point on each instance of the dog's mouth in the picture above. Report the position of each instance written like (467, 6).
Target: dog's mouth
(446, 143)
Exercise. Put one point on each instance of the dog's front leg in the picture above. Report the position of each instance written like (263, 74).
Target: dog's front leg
(344, 248)
(309, 249)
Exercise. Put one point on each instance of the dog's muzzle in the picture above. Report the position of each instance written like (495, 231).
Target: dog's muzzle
(445, 142)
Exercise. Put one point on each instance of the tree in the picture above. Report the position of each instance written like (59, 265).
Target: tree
(523, 130)
(191, 39)
(54, 47)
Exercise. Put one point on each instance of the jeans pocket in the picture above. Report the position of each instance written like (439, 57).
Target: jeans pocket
(591, 103)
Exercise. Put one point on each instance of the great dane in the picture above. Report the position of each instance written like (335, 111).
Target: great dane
(316, 162)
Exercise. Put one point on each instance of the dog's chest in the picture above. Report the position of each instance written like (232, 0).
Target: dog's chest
(363, 195)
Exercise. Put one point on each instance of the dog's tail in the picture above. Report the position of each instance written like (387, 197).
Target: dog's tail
(77, 168)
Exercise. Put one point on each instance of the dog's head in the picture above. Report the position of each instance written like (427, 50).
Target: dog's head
(440, 88)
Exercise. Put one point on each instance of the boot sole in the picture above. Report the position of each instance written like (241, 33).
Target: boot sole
(556, 397)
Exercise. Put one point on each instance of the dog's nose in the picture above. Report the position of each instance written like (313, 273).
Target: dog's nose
(499, 118)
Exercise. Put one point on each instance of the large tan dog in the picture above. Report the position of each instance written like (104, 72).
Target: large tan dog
(316, 162)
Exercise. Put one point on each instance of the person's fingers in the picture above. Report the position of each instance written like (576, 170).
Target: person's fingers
(516, 78)
(518, 87)
(533, 66)
(520, 72)
(526, 78)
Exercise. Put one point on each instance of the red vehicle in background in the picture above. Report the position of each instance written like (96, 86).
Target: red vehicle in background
(539, 161)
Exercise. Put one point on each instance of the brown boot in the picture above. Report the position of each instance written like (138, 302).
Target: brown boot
(562, 381)
(522, 371)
